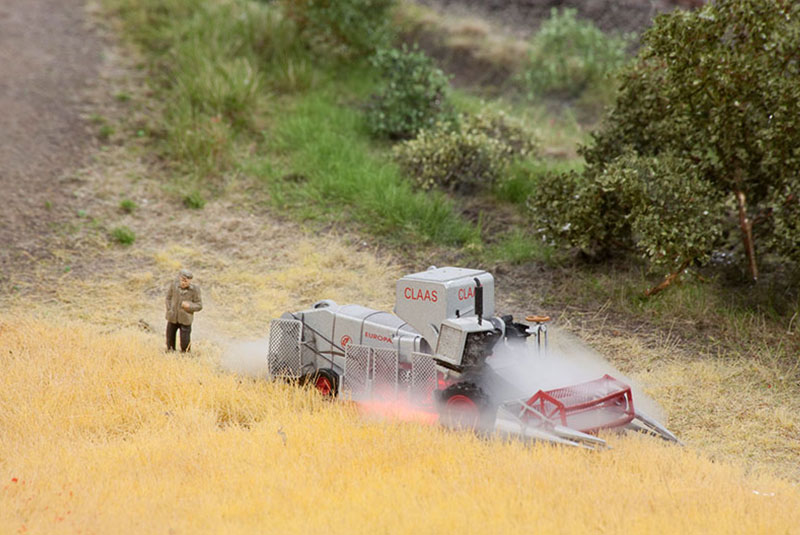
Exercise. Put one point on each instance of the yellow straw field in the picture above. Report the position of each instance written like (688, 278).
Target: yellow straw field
(105, 433)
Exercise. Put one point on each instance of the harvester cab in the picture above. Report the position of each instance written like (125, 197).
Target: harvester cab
(453, 308)
(447, 307)
(431, 354)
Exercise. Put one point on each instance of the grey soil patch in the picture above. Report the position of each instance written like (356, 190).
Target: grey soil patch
(524, 17)
(511, 23)
(49, 56)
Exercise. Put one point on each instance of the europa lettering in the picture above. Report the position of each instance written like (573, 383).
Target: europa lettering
(417, 294)
(378, 337)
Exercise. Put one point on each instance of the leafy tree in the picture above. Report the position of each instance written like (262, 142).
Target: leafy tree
(717, 92)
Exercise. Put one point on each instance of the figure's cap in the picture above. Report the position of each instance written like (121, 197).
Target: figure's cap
(185, 273)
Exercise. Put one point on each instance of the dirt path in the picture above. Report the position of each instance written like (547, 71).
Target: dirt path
(49, 56)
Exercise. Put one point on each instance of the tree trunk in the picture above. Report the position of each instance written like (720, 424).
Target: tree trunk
(669, 279)
(747, 234)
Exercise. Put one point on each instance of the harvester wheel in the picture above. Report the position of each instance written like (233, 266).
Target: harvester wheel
(466, 406)
(326, 381)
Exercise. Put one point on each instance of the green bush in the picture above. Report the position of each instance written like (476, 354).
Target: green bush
(569, 55)
(123, 235)
(342, 27)
(413, 94)
(467, 156)
(781, 231)
(513, 138)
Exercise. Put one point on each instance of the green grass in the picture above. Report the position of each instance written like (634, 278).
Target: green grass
(518, 247)
(733, 319)
(236, 75)
(329, 144)
(523, 178)
(105, 132)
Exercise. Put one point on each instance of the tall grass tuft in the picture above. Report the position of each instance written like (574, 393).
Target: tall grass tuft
(210, 62)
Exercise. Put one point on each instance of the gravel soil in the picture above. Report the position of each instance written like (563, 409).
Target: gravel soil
(525, 16)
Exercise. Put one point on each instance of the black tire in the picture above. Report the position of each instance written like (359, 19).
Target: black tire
(466, 406)
(325, 380)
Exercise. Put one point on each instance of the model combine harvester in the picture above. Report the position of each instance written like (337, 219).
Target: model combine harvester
(434, 357)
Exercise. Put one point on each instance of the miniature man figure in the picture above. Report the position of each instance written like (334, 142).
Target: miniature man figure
(183, 300)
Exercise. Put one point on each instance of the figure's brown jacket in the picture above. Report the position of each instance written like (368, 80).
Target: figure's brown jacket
(175, 296)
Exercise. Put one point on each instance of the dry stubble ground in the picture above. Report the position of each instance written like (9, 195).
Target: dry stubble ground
(59, 267)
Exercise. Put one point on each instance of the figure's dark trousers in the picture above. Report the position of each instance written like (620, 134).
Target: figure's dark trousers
(186, 333)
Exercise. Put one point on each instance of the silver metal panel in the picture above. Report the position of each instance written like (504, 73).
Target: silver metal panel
(422, 304)
(319, 323)
(283, 356)
(423, 379)
(378, 335)
(407, 344)
(444, 274)
(346, 331)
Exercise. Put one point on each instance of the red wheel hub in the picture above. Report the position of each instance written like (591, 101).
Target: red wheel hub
(462, 411)
(461, 402)
(323, 384)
